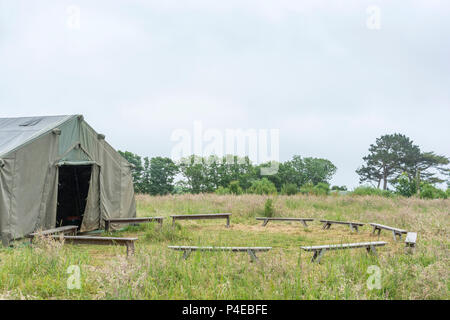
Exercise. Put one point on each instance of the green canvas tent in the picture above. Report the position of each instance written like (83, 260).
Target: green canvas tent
(57, 171)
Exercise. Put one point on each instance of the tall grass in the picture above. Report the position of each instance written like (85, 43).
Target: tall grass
(285, 272)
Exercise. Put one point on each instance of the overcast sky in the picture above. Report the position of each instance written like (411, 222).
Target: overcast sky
(138, 70)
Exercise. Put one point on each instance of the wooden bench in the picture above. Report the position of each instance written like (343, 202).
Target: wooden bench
(266, 220)
(320, 250)
(128, 242)
(410, 241)
(202, 216)
(64, 230)
(353, 225)
(395, 231)
(250, 250)
(132, 220)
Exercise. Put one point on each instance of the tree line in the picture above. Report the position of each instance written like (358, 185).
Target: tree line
(228, 174)
(393, 161)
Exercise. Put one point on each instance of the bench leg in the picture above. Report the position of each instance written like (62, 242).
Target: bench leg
(409, 248)
(265, 223)
(253, 257)
(317, 255)
(371, 249)
(186, 254)
(327, 226)
(228, 222)
(107, 226)
(173, 222)
(160, 223)
(130, 249)
(395, 234)
(304, 224)
(353, 227)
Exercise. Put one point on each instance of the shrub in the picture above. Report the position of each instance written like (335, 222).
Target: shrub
(322, 188)
(221, 191)
(319, 189)
(263, 186)
(268, 208)
(289, 189)
(339, 188)
(235, 188)
(428, 191)
(405, 187)
(371, 191)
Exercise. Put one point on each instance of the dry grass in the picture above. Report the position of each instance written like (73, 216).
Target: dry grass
(285, 272)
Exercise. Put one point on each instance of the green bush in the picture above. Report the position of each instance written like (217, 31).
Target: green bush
(263, 186)
(319, 189)
(371, 191)
(235, 188)
(268, 208)
(289, 189)
(405, 187)
(307, 188)
(339, 188)
(322, 188)
(221, 191)
(427, 191)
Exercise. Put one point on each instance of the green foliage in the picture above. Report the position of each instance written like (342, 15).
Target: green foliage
(235, 188)
(208, 174)
(221, 191)
(162, 172)
(153, 176)
(300, 171)
(289, 189)
(229, 174)
(405, 186)
(262, 186)
(428, 191)
(319, 189)
(268, 208)
(371, 191)
(322, 188)
(339, 188)
(394, 154)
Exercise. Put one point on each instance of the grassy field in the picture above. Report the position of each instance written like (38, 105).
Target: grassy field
(285, 272)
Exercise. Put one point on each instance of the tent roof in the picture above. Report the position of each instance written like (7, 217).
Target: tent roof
(15, 132)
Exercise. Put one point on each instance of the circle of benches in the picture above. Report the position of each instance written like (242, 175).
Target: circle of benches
(318, 251)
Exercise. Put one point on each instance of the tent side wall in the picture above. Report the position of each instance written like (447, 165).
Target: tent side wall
(6, 183)
(29, 188)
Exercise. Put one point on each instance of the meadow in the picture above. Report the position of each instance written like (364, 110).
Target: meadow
(285, 272)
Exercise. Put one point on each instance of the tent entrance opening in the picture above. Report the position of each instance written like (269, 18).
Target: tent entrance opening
(73, 189)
